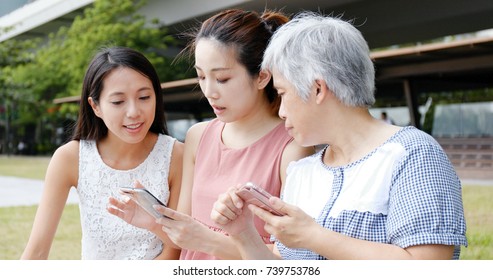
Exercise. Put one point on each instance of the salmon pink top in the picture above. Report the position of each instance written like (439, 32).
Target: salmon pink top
(218, 168)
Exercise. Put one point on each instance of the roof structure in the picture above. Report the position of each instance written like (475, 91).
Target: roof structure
(458, 65)
(462, 64)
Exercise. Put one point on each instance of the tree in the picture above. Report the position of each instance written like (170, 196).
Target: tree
(59, 63)
(13, 54)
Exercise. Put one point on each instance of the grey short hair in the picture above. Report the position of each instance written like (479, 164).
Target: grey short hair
(313, 46)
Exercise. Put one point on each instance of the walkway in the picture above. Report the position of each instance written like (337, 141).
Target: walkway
(24, 192)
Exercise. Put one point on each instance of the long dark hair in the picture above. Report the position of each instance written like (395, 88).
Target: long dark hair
(248, 33)
(91, 127)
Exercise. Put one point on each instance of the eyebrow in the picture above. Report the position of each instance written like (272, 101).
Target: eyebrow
(117, 93)
(214, 69)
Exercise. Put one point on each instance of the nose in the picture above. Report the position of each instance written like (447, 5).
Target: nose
(209, 89)
(133, 109)
(282, 111)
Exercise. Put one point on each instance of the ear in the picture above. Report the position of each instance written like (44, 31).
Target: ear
(263, 79)
(94, 107)
(322, 91)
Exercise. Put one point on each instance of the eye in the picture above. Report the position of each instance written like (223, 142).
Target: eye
(222, 81)
(116, 102)
(200, 78)
(145, 97)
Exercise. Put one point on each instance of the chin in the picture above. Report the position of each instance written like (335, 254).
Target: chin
(225, 119)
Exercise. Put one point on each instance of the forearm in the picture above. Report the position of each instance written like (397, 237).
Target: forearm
(336, 246)
(32, 252)
(169, 253)
(220, 246)
(167, 242)
(251, 246)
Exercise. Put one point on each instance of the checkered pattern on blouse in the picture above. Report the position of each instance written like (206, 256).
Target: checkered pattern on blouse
(424, 199)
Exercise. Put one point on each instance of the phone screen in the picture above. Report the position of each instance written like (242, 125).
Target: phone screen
(145, 199)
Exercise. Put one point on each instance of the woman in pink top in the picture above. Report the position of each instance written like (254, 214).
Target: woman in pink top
(246, 142)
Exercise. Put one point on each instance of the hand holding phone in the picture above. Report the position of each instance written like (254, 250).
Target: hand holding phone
(252, 194)
(145, 199)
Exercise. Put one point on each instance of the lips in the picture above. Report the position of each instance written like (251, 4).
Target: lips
(218, 109)
(133, 126)
(289, 129)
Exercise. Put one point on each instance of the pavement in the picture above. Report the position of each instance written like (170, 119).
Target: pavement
(25, 192)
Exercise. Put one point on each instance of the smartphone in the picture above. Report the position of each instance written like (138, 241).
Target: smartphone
(253, 194)
(146, 200)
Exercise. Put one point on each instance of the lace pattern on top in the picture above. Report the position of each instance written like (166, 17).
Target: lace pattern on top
(105, 236)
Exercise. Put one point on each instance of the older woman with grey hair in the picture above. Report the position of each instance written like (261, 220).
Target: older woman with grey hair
(376, 191)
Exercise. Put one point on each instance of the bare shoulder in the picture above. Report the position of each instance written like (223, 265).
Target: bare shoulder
(177, 153)
(293, 151)
(64, 165)
(194, 134)
(196, 130)
(178, 147)
(192, 140)
(68, 153)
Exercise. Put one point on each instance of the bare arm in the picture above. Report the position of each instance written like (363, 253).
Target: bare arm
(230, 212)
(61, 175)
(184, 229)
(293, 152)
(298, 230)
(174, 182)
(334, 245)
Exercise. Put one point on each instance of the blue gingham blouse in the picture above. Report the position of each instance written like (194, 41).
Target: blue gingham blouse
(405, 193)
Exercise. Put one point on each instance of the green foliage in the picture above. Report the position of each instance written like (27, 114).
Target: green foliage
(34, 73)
(108, 23)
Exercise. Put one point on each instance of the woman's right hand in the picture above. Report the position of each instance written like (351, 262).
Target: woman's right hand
(129, 211)
(231, 214)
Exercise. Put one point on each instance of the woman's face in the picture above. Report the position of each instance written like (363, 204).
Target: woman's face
(296, 113)
(127, 104)
(232, 93)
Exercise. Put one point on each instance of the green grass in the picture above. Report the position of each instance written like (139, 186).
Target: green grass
(16, 226)
(17, 221)
(478, 209)
(25, 167)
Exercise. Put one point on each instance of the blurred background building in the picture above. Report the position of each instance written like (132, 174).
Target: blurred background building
(433, 59)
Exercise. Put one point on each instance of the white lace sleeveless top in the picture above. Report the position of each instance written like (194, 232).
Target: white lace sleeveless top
(105, 236)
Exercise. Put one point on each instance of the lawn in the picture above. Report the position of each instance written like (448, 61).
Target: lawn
(17, 221)
(25, 167)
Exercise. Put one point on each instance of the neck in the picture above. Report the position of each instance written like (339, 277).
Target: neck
(353, 136)
(249, 129)
(120, 155)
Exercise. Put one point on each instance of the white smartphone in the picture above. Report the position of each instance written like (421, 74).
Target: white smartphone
(253, 194)
(145, 199)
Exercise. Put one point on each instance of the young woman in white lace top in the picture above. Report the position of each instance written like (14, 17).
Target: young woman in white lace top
(120, 137)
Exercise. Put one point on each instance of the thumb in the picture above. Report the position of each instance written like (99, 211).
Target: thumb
(280, 205)
(138, 185)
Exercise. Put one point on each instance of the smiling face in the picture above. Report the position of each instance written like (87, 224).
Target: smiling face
(126, 105)
(230, 90)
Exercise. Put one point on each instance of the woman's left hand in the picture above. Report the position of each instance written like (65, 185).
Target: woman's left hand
(293, 229)
(183, 230)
